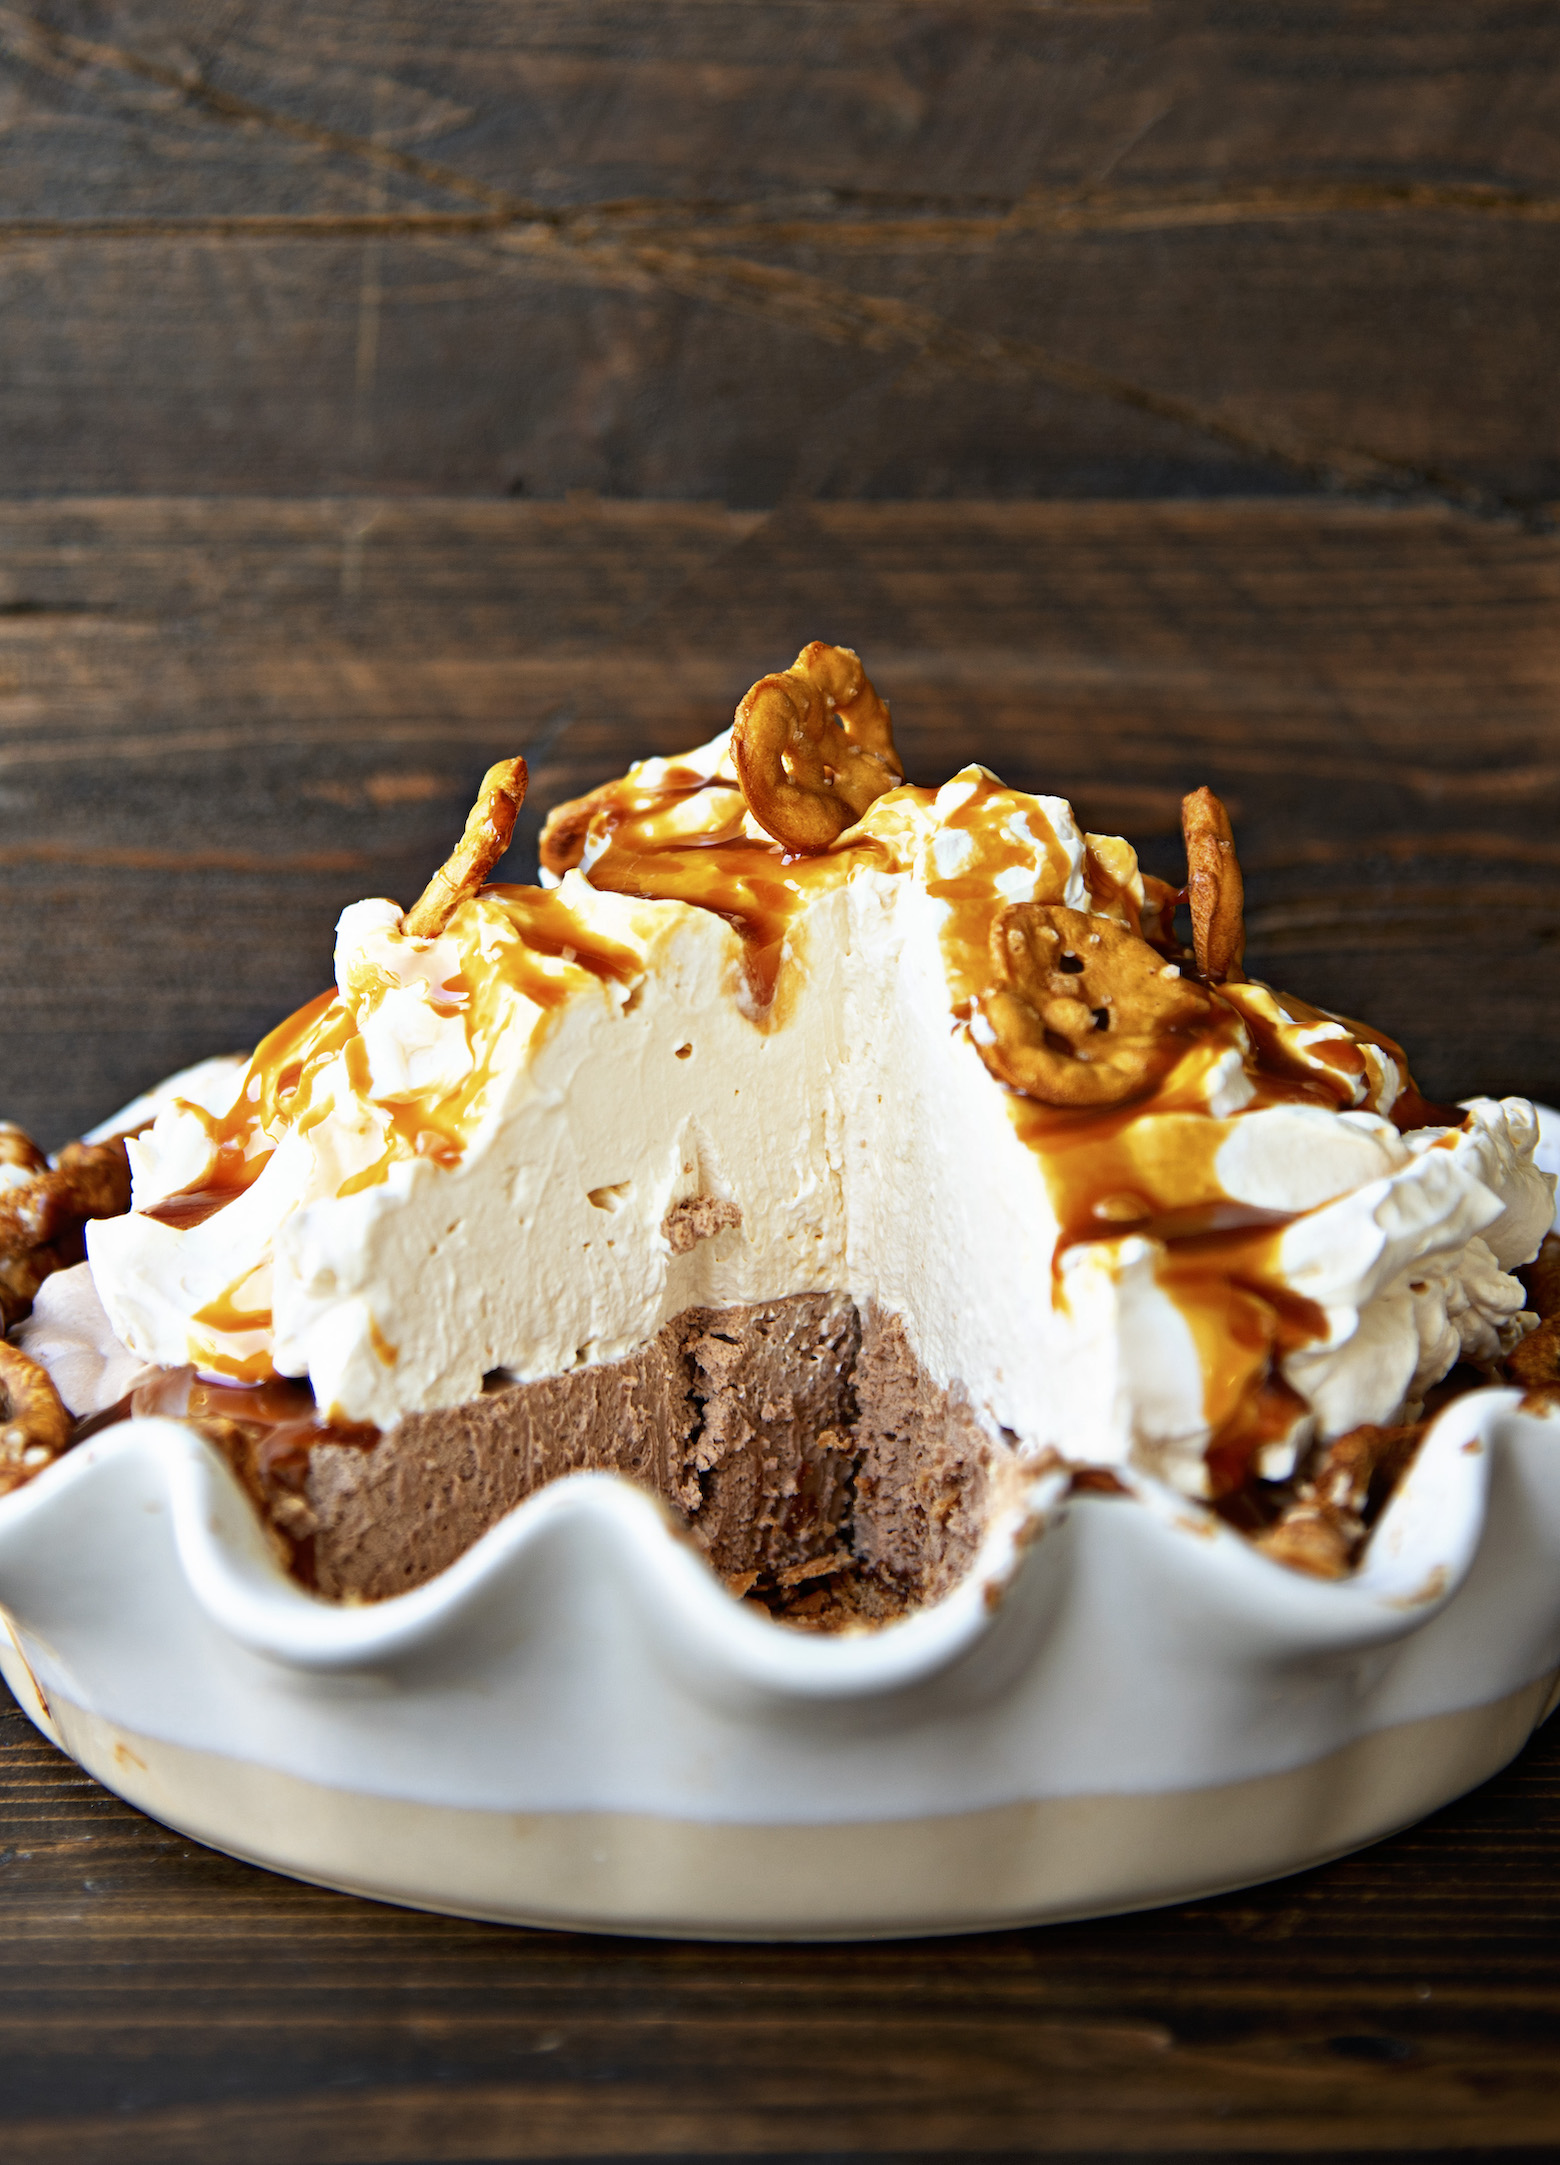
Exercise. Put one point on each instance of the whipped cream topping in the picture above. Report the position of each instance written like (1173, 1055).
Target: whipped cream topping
(69, 1335)
(464, 1159)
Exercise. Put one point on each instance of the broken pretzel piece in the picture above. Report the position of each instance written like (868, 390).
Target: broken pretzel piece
(1158, 912)
(1542, 1278)
(1347, 1483)
(564, 834)
(34, 1424)
(814, 746)
(1534, 1361)
(90, 1180)
(18, 1149)
(1085, 1012)
(1215, 892)
(484, 841)
(41, 1216)
(21, 1275)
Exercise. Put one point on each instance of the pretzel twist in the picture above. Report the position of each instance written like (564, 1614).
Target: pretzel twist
(1215, 892)
(91, 1180)
(34, 1425)
(42, 1216)
(19, 1149)
(488, 828)
(1084, 1011)
(814, 746)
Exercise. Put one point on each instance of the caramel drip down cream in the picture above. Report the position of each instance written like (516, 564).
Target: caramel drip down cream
(463, 1160)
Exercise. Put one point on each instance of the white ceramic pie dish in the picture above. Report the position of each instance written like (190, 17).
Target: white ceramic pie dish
(1124, 1704)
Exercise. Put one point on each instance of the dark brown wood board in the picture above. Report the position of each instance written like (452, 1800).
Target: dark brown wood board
(870, 248)
(162, 2005)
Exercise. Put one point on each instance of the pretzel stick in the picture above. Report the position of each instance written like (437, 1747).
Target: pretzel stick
(1215, 891)
(486, 837)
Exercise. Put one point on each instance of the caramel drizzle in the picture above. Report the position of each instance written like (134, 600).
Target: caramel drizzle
(1147, 1167)
(1153, 1173)
(1221, 1263)
(642, 846)
(283, 1079)
(1144, 1168)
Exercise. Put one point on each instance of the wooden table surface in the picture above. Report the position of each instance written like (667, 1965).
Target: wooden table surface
(1155, 394)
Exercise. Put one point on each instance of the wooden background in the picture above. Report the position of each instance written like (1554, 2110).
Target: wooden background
(1156, 392)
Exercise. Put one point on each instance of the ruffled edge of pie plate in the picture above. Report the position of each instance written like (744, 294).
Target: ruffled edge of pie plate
(1122, 1704)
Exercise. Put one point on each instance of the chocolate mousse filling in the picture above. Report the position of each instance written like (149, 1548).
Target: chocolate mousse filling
(818, 1466)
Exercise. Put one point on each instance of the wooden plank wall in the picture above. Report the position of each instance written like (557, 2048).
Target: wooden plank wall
(1156, 391)
(865, 249)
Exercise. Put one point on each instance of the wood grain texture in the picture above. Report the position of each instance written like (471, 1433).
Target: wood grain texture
(221, 721)
(162, 2005)
(864, 250)
(328, 328)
